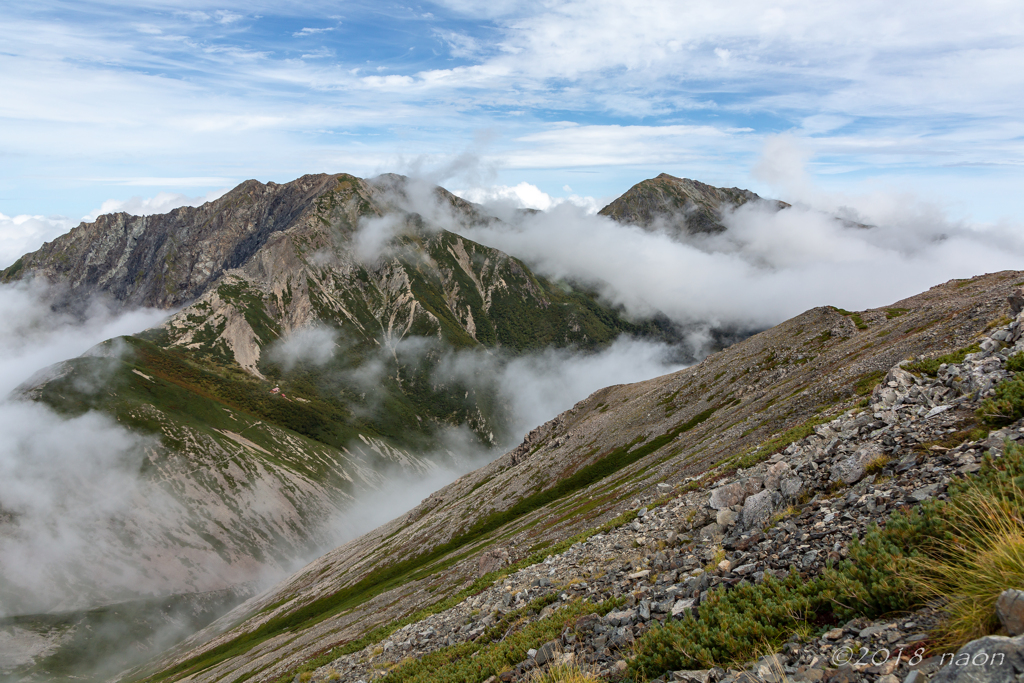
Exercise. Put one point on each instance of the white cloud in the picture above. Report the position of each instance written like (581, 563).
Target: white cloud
(22, 234)
(312, 31)
(526, 196)
(161, 203)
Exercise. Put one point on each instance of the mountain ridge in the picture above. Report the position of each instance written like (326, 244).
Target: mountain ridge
(557, 483)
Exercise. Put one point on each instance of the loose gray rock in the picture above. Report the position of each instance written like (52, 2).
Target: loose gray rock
(623, 618)
(924, 493)
(725, 497)
(700, 676)
(683, 607)
(547, 652)
(727, 517)
(992, 659)
(757, 510)
(851, 470)
(1010, 610)
(791, 487)
(776, 473)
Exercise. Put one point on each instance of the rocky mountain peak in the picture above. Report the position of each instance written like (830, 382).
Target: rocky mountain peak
(682, 205)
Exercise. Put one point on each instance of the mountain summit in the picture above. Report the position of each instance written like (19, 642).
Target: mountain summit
(682, 205)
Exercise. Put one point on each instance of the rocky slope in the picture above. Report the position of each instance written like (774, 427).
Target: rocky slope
(756, 404)
(681, 205)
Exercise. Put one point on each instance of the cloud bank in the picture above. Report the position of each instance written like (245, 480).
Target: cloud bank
(61, 478)
(852, 251)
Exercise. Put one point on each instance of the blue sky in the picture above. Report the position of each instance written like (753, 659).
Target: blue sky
(104, 102)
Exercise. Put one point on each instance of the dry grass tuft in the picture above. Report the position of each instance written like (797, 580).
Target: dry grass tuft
(565, 673)
(984, 557)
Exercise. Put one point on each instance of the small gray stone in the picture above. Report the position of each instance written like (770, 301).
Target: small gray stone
(727, 517)
(1010, 610)
(712, 532)
(924, 493)
(699, 676)
(850, 470)
(683, 607)
(623, 618)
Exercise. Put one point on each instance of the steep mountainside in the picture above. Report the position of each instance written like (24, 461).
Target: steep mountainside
(305, 370)
(680, 204)
(736, 408)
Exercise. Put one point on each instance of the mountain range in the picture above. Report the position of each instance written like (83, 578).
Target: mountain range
(307, 361)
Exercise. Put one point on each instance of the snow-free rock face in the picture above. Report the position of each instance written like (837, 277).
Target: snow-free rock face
(166, 260)
(724, 448)
(681, 205)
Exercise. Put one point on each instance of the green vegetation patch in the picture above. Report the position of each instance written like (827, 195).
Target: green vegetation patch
(891, 313)
(866, 383)
(752, 456)
(930, 366)
(855, 317)
(1007, 405)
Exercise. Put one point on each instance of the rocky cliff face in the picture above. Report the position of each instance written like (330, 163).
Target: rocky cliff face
(167, 260)
(681, 205)
(757, 401)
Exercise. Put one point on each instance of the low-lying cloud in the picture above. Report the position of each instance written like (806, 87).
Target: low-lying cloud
(61, 478)
(827, 249)
(527, 196)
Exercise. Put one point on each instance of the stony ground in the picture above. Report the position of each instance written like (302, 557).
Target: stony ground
(794, 511)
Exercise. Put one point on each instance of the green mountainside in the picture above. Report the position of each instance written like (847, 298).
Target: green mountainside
(576, 475)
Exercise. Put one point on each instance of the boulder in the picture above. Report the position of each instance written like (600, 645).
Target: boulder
(791, 487)
(757, 510)
(992, 659)
(727, 518)
(726, 496)
(1010, 610)
(492, 560)
(547, 652)
(850, 470)
(1016, 301)
(776, 473)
